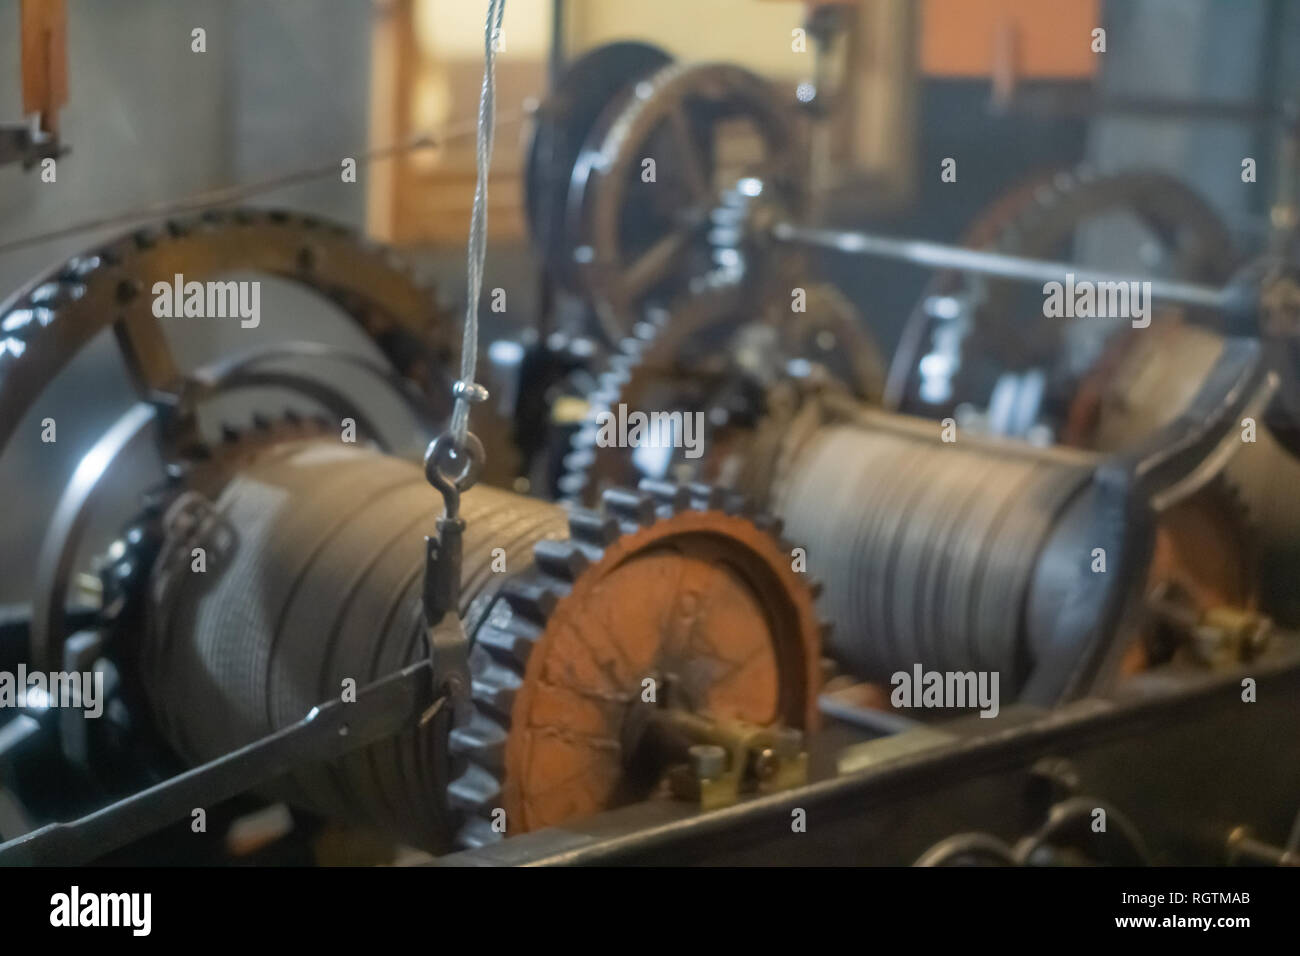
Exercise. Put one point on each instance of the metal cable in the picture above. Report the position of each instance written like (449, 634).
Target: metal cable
(226, 195)
(466, 391)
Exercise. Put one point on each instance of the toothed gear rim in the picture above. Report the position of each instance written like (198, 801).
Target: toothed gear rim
(555, 666)
(1033, 221)
(607, 176)
(599, 77)
(1186, 225)
(43, 325)
(123, 568)
(705, 329)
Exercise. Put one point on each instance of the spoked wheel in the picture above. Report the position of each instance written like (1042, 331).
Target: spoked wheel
(562, 125)
(654, 172)
(967, 330)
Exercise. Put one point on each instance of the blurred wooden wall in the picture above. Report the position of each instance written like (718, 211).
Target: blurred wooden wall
(428, 67)
(428, 72)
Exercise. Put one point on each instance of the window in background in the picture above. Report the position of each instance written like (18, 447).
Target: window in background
(428, 70)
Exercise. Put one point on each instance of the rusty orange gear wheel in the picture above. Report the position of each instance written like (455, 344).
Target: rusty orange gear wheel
(664, 581)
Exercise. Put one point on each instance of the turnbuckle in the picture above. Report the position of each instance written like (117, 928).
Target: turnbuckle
(451, 471)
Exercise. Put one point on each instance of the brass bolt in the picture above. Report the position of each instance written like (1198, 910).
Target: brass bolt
(766, 764)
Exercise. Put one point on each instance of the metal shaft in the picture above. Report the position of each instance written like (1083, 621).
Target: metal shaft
(939, 255)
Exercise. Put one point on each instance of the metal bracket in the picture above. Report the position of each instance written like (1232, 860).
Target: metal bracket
(732, 758)
(19, 145)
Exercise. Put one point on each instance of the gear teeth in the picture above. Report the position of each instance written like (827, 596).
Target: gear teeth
(507, 645)
(645, 331)
(769, 523)
(634, 506)
(601, 398)
(816, 587)
(504, 641)
(261, 422)
(496, 685)
(571, 485)
(668, 493)
(113, 273)
(477, 833)
(620, 366)
(583, 458)
(229, 433)
(80, 267)
(707, 497)
(712, 498)
(475, 789)
(483, 741)
(563, 559)
(592, 527)
(46, 294)
(531, 599)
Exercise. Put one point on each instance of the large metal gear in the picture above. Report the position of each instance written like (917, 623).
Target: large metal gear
(669, 584)
(49, 321)
(935, 367)
(730, 356)
(658, 166)
(561, 126)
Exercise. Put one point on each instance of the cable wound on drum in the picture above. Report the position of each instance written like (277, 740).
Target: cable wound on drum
(315, 560)
(928, 550)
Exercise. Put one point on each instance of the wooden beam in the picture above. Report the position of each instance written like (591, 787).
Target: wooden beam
(44, 31)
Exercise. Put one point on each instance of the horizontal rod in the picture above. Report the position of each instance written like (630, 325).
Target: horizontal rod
(939, 255)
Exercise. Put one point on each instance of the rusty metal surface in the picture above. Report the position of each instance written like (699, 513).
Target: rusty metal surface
(1182, 758)
(675, 116)
(314, 555)
(666, 586)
